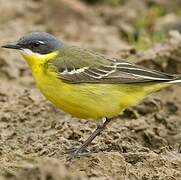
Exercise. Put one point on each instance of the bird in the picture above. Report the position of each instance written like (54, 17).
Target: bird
(87, 84)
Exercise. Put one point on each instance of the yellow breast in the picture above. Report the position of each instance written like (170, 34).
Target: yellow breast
(85, 100)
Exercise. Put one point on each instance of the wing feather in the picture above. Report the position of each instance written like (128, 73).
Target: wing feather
(89, 67)
(114, 74)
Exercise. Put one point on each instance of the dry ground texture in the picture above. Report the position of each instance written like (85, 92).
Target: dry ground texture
(143, 143)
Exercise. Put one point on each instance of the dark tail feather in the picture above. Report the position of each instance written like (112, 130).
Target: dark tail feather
(177, 79)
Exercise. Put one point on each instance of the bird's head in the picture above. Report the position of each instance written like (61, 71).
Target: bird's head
(36, 46)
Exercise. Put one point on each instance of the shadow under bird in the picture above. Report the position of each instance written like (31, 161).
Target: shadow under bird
(86, 84)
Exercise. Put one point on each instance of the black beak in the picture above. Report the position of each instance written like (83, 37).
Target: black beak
(12, 46)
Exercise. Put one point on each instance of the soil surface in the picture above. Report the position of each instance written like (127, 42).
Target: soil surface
(35, 138)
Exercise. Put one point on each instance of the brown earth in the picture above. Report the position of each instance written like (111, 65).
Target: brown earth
(143, 143)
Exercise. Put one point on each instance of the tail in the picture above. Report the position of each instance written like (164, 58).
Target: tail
(177, 79)
(162, 84)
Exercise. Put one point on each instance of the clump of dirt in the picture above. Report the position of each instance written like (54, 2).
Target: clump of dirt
(43, 169)
(35, 138)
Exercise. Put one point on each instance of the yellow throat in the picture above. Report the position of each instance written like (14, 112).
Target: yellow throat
(35, 59)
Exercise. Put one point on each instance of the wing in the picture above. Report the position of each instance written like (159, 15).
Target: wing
(75, 65)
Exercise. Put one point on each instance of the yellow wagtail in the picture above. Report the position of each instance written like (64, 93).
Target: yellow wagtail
(84, 83)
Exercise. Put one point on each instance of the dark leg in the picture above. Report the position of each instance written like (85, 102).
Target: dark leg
(96, 132)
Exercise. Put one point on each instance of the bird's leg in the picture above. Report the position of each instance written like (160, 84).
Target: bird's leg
(97, 131)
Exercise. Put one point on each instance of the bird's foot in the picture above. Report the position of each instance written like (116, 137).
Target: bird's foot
(76, 153)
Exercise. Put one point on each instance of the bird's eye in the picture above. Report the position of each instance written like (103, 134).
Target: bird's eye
(36, 44)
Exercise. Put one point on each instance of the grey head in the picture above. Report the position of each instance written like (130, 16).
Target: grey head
(36, 42)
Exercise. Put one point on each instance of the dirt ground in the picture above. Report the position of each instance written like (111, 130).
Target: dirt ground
(35, 137)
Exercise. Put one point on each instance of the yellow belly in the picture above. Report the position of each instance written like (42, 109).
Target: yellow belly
(88, 100)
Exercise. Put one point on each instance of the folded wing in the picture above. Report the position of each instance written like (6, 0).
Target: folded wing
(75, 68)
